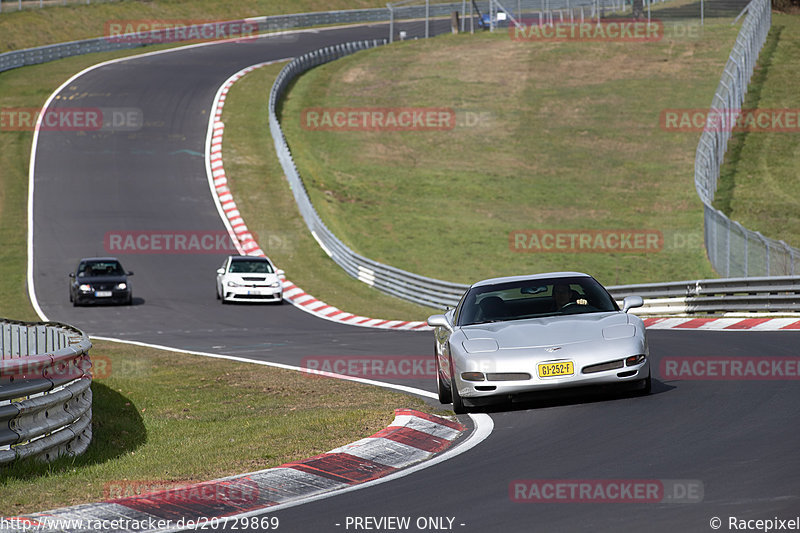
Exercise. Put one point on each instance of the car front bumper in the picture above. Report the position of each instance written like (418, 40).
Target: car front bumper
(90, 297)
(517, 375)
(253, 294)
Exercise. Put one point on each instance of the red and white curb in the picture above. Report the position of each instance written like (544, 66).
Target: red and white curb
(724, 324)
(243, 238)
(412, 437)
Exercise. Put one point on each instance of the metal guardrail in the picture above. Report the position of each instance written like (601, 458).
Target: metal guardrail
(413, 287)
(43, 54)
(45, 395)
(733, 249)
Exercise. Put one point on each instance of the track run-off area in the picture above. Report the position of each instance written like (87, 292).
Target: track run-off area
(731, 442)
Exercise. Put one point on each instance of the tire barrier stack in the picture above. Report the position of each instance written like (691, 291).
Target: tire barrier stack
(45, 395)
(779, 295)
(733, 249)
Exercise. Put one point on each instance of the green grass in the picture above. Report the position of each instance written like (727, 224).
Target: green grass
(36, 27)
(225, 417)
(759, 182)
(572, 141)
(267, 205)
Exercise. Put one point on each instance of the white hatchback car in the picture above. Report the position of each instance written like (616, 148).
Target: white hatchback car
(244, 278)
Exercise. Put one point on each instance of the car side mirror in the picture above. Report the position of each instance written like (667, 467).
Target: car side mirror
(439, 321)
(280, 272)
(630, 302)
(72, 274)
(129, 273)
(220, 271)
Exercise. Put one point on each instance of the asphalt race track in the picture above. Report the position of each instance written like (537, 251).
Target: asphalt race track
(737, 439)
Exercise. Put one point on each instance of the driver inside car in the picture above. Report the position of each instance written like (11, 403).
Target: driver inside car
(561, 295)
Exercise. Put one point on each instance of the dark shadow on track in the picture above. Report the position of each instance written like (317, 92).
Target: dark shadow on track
(570, 397)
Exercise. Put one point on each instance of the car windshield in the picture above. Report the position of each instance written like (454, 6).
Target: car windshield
(250, 267)
(93, 269)
(534, 299)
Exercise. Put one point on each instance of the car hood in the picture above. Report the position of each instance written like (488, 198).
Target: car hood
(549, 331)
(102, 279)
(245, 277)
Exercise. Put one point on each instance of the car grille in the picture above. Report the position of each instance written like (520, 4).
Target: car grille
(602, 367)
(253, 279)
(507, 376)
(102, 286)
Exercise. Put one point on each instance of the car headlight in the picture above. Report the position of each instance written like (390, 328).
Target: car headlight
(480, 345)
(122, 286)
(233, 284)
(85, 287)
(276, 284)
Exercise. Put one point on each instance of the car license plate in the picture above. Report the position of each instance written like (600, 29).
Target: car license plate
(254, 292)
(102, 294)
(549, 370)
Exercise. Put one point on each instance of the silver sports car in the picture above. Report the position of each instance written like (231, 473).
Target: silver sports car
(509, 336)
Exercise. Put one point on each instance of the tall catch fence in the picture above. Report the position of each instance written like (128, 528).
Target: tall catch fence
(735, 251)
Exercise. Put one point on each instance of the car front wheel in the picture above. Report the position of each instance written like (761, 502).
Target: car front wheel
(458, 404)
(445, 396)
(646, 385)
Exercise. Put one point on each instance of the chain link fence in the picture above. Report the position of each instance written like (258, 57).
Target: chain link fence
(472, 15)
(734, 250)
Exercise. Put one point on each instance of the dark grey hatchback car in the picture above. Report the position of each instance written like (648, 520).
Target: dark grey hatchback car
(100, 280)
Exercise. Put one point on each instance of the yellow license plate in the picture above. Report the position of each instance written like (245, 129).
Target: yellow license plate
(549, 370)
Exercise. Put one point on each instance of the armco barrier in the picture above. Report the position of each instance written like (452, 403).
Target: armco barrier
(43, 54)
(764, 294)
(45, 395)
